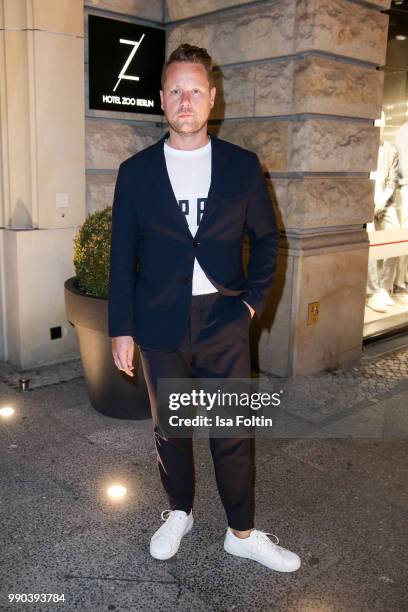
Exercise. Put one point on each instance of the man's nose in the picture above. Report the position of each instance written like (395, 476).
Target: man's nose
(185, 98)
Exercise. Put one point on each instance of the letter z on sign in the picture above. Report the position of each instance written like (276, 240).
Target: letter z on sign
(122, 73)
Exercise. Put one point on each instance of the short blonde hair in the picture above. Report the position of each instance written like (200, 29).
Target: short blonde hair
(190, 53)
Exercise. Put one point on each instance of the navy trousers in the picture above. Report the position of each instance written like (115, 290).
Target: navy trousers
(215, 345)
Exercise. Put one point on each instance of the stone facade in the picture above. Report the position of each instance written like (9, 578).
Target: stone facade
(309, 84)
(298, 83)
(271, 29)
(152, 10)
(180, 9)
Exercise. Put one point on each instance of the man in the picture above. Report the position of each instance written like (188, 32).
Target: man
(182, 206)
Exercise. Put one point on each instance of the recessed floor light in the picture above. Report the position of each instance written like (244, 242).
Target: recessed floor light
(6, 411)
(117, 491)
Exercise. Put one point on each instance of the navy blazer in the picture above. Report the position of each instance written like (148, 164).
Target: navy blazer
(151, 302)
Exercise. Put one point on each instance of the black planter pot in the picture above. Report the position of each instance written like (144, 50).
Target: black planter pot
(111, 391)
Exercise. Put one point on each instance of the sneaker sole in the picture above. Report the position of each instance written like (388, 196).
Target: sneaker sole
(236, 554)
(165, 557)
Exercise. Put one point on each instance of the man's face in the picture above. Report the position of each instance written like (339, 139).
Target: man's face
(186, 97)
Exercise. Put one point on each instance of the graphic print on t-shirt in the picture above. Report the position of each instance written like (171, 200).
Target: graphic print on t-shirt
(192, 207)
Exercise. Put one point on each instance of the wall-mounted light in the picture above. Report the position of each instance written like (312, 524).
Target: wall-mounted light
(400, 37)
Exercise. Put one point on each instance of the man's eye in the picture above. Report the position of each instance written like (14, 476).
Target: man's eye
(195, 91)
(175, 91)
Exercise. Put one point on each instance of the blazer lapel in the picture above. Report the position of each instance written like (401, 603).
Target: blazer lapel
(218, 161)
(162, 184)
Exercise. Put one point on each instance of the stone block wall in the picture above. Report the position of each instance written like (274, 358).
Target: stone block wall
(298, 82)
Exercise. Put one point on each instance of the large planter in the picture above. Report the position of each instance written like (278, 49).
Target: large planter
(111, 391)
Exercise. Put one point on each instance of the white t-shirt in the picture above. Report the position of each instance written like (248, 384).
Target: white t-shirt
(190, 177)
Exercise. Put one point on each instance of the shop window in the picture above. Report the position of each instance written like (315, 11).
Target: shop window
(387, 280)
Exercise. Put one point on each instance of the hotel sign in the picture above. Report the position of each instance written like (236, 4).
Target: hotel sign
(125, 64)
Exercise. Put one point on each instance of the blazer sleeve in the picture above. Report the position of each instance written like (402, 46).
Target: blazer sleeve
(263, 235)
(126, 236)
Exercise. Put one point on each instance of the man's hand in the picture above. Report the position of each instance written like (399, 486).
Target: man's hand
(251, 310)
(122, 351)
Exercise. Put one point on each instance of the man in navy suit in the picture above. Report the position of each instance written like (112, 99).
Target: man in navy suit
(181, 210)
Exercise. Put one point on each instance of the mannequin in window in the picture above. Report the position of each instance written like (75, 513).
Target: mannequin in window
(380, 284)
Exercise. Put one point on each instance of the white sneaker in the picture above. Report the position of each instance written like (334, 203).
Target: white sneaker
(258, 547)
(376, 302)
(387, 299)
(166, 540)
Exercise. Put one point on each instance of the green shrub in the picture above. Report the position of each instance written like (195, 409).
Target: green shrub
(91, 252)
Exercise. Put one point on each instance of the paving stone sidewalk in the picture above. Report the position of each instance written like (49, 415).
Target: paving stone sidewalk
(337, 495)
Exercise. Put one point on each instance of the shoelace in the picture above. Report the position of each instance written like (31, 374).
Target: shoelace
(171, 521)
(262, 537)
(162, 514)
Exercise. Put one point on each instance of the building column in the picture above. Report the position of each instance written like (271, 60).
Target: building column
(42, 174)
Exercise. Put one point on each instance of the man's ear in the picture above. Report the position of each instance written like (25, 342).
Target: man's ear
(213, 91)
(161, 99)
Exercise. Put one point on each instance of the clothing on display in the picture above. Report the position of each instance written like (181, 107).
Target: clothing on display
(401, 142)
(380, 282)
(386, 181)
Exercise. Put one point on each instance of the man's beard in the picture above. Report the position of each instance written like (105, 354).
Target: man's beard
(191, 127)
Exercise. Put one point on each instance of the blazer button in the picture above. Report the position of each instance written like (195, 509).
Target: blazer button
(187, 279)
(195, 243)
